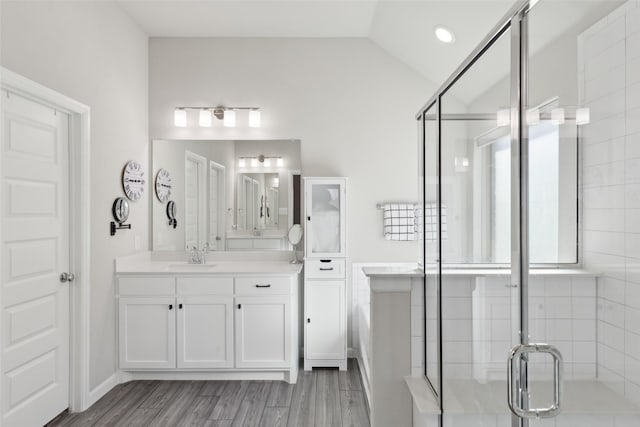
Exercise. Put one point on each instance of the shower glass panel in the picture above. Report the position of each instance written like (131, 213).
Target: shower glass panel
(431, 259)
(479, 311)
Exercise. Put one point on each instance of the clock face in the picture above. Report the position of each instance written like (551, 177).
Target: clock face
(171, 209)
(120, 210)
(133, 180)
(163, 185)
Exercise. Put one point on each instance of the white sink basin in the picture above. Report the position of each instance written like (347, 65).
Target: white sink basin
(183, 266)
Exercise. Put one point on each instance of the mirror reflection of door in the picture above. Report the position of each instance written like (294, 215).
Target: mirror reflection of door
(195, 197)
(216, 204)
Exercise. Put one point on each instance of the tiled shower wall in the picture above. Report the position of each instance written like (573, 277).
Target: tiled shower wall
(609, 82)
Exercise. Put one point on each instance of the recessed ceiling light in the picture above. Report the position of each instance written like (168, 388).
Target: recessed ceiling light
(444, 34)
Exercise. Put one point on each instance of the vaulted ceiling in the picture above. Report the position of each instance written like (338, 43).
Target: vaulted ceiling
(404, 29)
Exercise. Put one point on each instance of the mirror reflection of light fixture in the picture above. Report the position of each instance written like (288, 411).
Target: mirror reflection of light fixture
(583, 116)
(180, 117)
(503, 117)
(229, 118)
(557, 116)
(533, 117)
(205, 118)
(261, 160)
(254, 118)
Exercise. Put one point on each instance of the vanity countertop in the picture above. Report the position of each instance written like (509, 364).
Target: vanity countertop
(217, 263)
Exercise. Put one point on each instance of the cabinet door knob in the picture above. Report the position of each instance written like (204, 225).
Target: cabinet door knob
(170, 306)
(308, 320)
(308, 218)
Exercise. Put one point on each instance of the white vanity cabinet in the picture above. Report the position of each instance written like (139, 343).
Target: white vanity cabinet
(325, 288)
(147, 328)
(237, 325)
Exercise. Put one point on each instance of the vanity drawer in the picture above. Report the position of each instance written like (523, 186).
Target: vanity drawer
(328, 268)
(273, 244)
(263, 285)
(146, 286)
(205, 286)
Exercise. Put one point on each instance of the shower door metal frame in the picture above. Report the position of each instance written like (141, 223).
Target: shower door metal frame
(516, 21)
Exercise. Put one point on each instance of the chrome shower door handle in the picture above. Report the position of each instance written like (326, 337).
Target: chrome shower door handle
(514, 393)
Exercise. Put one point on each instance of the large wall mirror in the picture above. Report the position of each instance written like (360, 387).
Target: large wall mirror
(229, 195)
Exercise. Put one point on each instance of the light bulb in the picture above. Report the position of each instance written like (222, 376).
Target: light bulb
(267, 162)
(254, 162)
(280, 162)
(583, 116)
(503, 117)
(230, 118)
(180, 118)
(205, 118)
(254, 119)
(533, 117)
(241, 163)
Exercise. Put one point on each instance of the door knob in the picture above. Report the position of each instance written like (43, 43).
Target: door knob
(66, 277)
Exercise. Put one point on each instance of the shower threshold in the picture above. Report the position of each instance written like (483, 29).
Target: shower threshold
(583, 397)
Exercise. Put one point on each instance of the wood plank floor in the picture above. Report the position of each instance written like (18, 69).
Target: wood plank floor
(321, 398)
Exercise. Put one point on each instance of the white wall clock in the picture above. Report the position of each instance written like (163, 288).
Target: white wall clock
(163, 185)
(133, 180)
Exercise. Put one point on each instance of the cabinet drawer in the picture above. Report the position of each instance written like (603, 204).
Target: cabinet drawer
(236, 244)
(263, 285)
(329, 268)
(205, 286)
(267, 244)
(146, 286)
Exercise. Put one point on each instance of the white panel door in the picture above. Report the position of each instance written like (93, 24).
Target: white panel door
(263, 332)
(195, 200)
(147, 332)
(205, 332)
(324, 302)
(35, 250)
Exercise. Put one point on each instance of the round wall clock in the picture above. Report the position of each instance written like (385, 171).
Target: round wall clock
(133, 180)
(163, 185)
(120, 210)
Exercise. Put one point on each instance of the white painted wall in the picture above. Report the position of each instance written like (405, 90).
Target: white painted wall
(351, 105)
(92, 52)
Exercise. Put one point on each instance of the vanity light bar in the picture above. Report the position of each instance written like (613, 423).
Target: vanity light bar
(226, 114)
(261, 160)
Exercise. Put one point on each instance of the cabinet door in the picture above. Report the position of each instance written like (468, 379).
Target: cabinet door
(325, 335)
(263, 332)
(325, 213)
(205, 332)
(147, 332)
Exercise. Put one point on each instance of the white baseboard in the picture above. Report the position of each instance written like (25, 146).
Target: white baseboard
(102, 389)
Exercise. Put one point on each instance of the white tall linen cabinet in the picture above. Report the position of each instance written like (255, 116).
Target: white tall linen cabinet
(325, 287)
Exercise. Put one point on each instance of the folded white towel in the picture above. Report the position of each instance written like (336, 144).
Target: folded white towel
(399, 221)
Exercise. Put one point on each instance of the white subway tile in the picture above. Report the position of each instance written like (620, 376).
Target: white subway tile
(607, 265)
(604, 152)
(611, 289)
(583, 286)
(632, 146)
(557, 287)
(601, 41)
(605, 242)
(560, 330)
(456, 330)
(633, 271)
(632, 196)
(633, 46)
(605, 84)
(558, 308)
(603, 174)
(612, 197)
(632, 345)
(633, 21)
(584, 330)
(633, 121)
(605, 61)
